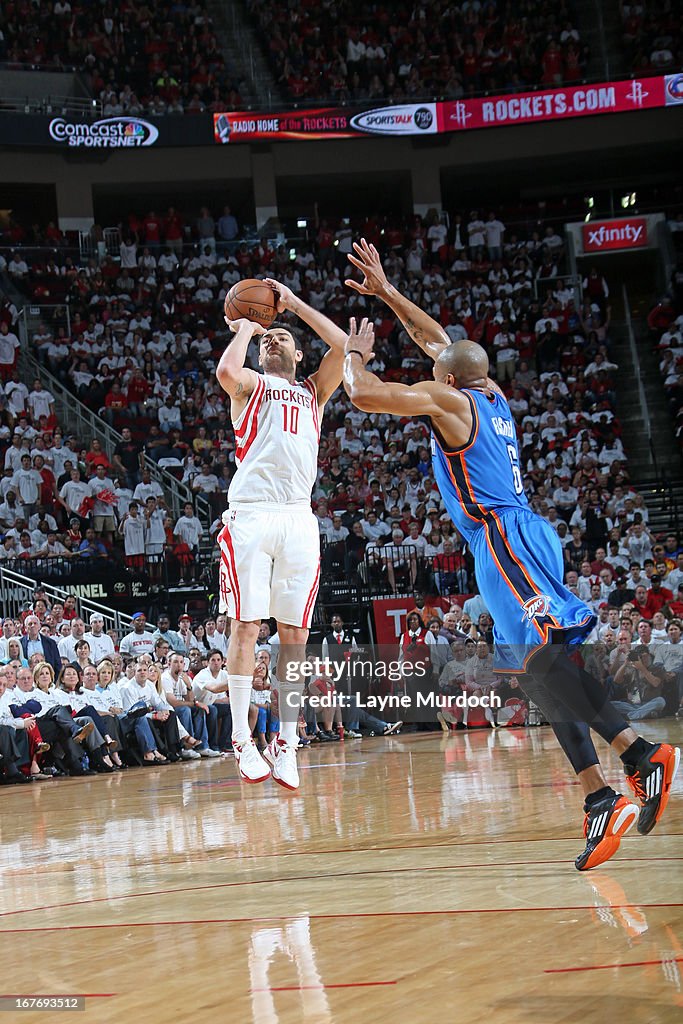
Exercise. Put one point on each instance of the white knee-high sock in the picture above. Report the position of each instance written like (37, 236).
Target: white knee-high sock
(289, 704)
(239, 688)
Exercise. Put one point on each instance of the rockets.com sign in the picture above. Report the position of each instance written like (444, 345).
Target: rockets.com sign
(618, 97)
(605, 236)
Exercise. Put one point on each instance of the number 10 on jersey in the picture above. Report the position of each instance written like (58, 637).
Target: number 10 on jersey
(291, 419)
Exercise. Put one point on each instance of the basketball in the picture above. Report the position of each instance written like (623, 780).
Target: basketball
(251, 300)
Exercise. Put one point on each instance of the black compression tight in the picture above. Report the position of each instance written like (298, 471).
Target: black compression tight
(574, 702)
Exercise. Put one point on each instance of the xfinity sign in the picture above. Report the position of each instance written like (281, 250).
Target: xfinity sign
(604, 236)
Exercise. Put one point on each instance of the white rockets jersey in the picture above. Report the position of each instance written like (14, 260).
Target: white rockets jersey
(277, 437)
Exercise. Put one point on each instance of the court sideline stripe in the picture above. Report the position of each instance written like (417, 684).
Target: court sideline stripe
(377, 849)
(328, 917)
(306, 878)
(610, 967)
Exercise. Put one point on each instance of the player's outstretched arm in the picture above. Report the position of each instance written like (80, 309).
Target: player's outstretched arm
(426, 398)
(233, 376)
(425, 332)
(327, 377)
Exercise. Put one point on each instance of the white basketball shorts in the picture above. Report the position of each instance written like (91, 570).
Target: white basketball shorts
(270, 564)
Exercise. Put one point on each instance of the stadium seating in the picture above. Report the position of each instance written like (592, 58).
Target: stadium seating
(164, 61)
(400, 53)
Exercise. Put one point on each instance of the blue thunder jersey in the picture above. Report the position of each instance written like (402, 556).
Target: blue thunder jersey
(518, 558)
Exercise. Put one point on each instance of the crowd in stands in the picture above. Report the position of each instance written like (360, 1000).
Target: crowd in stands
(404, 52)
(665, 322)
(145, 336)
(77, 701)
(153, 59)
(652, 37)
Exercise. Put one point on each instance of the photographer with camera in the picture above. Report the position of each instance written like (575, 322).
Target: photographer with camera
(641, 684)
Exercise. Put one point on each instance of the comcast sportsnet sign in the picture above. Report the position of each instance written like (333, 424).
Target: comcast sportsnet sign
(108, 133)
(605, 236)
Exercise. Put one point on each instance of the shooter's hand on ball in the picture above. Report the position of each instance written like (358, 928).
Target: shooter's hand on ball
(245, 325)
(286, 299)
(368, 262)
(361, 339)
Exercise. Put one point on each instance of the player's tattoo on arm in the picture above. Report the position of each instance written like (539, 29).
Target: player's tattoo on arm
(416, 333)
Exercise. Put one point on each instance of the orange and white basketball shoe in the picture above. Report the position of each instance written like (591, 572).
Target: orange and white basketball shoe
(603, 826)
(651, 781)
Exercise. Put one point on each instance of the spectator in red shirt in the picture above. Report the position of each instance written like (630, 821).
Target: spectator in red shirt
(676, 605)
(173, 231)
(96, 457)
(600, 562)
(139, 390)
(552, 65)
(115, 402)
(658, 597)
(151, 227)
(640, 602)
(48, 488)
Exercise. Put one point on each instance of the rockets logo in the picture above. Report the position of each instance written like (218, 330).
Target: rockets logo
(536, 607)
(637, 94)
(460, 114)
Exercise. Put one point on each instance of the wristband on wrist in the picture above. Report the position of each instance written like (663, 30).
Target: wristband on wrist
(355, 352)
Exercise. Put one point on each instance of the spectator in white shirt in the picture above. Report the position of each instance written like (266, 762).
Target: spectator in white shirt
(476, 233)
(101, 644)
(147, 488)
(219, 641)
(17, 394)
(103, 511)
(132, 528)
(169, 416)
(9, 344)
(139, 641)
(210, 686)
(189, 528)
(565, 496)
(138, 692)
(67, 645)
(26, 484)
(494, 231)
(73, 493)
(40, 402)
(206, 482)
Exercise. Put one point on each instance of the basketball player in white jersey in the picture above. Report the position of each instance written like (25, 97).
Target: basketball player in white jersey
(270, 544)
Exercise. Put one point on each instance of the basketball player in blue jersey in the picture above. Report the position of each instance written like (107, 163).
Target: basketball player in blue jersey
(517, 556)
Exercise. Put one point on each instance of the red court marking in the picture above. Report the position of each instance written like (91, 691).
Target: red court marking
(327, 917)
(322, 988)
(378, 849)
(611, 967)
(308, 878)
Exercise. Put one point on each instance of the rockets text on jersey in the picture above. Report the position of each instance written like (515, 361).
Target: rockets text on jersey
(277, 436)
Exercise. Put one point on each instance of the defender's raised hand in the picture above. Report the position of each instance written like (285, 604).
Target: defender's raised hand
(368, 262)
(361, 339)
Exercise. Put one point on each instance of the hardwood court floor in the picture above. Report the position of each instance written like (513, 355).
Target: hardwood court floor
(411, 880)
